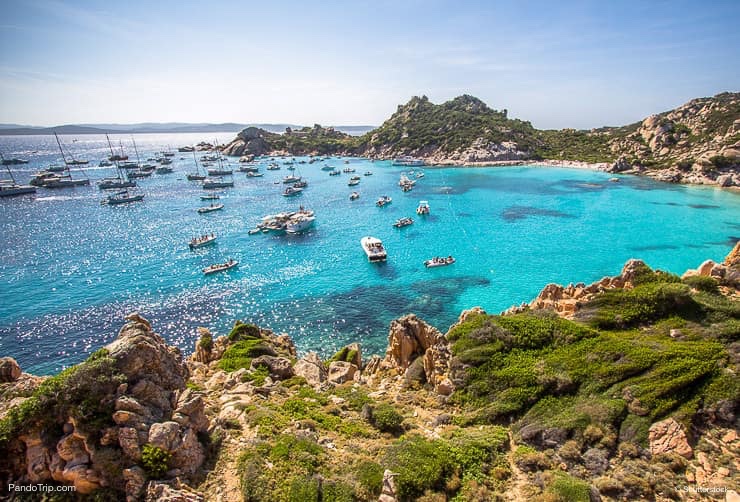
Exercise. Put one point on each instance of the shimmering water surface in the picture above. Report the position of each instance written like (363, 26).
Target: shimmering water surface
(71, 268)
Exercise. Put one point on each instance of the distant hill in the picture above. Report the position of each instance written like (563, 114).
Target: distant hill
(154, 127)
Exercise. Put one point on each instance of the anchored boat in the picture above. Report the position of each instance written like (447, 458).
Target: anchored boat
(210, 209)
(374, 249)
(439, 261)
(220, 267)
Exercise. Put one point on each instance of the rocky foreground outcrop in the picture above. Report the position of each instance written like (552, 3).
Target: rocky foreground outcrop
(110, 446)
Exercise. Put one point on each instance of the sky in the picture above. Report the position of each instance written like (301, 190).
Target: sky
(578, 64)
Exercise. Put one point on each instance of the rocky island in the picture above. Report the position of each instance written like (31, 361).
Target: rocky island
(625, 389)
(698, 142)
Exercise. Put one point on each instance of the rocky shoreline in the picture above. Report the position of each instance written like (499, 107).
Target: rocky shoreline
(140, 421)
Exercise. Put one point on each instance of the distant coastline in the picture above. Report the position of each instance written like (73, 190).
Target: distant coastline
(154, 128)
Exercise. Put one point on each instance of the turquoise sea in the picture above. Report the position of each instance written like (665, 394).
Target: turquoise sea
(71, 268)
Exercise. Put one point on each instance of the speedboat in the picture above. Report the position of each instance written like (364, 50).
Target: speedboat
(202, 241)
(348, 170)
(403, 222)
(355, 180)
(299, 223)
(368, 173)
(291, 192)
(273, 167)
(210, 197)
(164, 170)
(354, 196)
(423, 208)
(383, 201)
(210, 209)
(439, 261)
(335, 173)
(420, 174)
(123, 197)
(374, 249)
(291, 179)
(220, 267)
(254, 174)
(300, 184)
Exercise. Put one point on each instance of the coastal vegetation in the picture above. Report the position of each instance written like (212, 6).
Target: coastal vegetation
(630, 396)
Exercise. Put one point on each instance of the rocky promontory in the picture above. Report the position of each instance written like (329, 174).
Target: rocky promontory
(625, 389)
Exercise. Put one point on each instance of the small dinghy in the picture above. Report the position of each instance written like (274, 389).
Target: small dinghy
(210, 209)
(354, 196)
(384, 200)
(220, 267)
(403, 222)
(209, 197)
(439, 261)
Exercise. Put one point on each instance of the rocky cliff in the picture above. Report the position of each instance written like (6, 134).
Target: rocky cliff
(625, 389)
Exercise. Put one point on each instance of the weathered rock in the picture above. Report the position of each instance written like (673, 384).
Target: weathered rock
(596, 460)
(388, 493)
(165, 435)
(203, 347)
(171, 491)
(668, 436)
(279, 367)
(71, 448)
(341, 371)
(10, 371)
(312, 369)
(128, 439)
(188, 454)
(135, 479)
(190, 411)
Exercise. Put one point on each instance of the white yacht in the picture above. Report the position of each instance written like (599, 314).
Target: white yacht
(123, 197)
(210, 183)
(408, 161)
(299, 223)
(383, 201)
(373, 248)
(423, 208)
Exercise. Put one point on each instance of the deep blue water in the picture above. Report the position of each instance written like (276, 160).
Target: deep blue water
(71, 268)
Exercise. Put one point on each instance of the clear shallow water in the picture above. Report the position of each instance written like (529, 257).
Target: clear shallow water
(70, 269)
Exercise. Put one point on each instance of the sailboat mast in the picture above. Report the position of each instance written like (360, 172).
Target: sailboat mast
(113, 156)
(197, 171)
(138, 161)
(61, 150)
(7, 166)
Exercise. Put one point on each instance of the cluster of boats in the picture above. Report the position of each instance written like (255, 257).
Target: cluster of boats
(292, 222)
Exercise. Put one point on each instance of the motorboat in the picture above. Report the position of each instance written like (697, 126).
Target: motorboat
(403, 222)
(196, 177)
(355, 180)
(123, 197)
(423, 208)
(128, 165)
(300, 184)
(249, 169)
(202, 241)
(12, 189)
(374, 249)
(58, 168)
(211, 208)
(164, 169)
(420, 174)
(327, 167)
(384, 200)
(407, 160)
(368, 173)
(292, 192)
(439, 261)
(210, 197)
(209, 184)
(14, 162)
(254, 174)
(614, 180)
(335, 173)
(354, 196)
(220, 172)
(139, 174)
(102, 163)
(348, 170)
(299, 223)
(273, 167)
(220, 267)
(291, 179)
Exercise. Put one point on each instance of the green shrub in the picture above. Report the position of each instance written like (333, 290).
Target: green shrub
(370, 476)
(155, 461)
(702, 283)
(206, 342)
(420, 465)
(475, 451)
(566, 488)
(243, 331)
(240, 354)
(257, 376)
(385, 418)
(303, 489)
(337, 491)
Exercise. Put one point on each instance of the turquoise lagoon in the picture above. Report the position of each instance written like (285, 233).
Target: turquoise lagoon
(70, 269)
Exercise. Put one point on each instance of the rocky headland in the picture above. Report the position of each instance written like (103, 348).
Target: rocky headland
(697, 143)
(625, 389)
